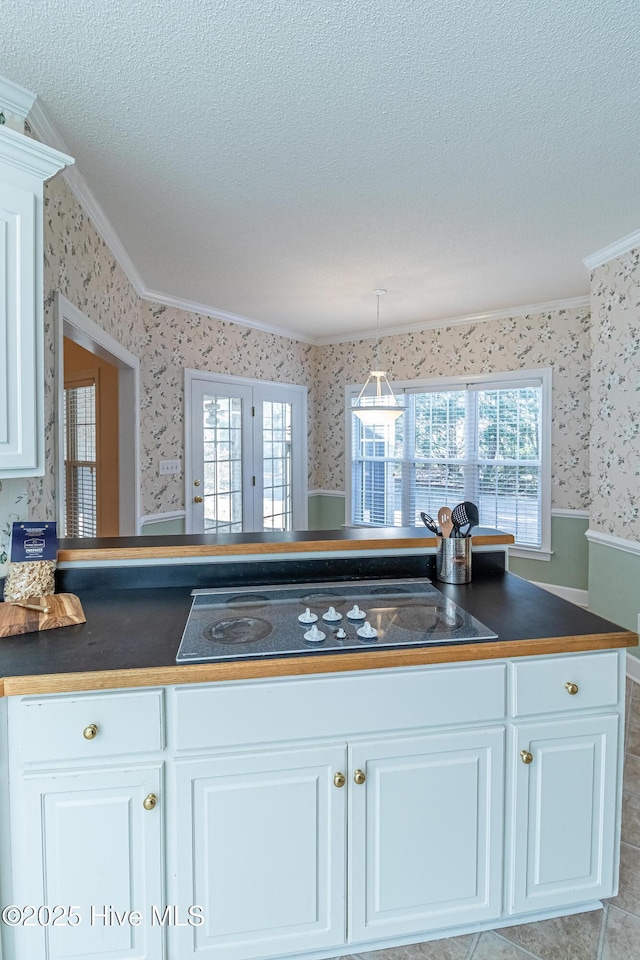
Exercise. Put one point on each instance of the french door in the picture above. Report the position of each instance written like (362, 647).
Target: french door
(247, 466)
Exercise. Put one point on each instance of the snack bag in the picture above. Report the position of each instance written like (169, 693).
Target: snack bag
(34, 548)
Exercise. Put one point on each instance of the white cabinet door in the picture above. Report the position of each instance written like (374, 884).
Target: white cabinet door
(261, 847)
(24, 165)
(564, 821)
(19, 334)
(85, 840)
(426, 837)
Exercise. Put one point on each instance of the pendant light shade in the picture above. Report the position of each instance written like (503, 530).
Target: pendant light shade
(383, 407)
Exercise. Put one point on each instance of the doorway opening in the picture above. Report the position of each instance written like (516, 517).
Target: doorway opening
(245, 454)
(97, 443)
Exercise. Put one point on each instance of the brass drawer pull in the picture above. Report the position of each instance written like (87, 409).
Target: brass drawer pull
(150, 801)
(339, 780)
(359, 776)
(526, 756)
(90, 732)
(571, 688)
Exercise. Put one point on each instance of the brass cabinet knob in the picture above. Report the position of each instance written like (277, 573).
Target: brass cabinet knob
(150, 801)
(359, 776)
(571, 688)
(526, 756)
(90, 732)
(196, 483)
(197, 499)
(339, 780)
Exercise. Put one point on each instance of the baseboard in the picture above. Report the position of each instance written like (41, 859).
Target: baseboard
(572, 594)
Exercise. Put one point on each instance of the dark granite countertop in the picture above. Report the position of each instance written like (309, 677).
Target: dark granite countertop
(132, 635)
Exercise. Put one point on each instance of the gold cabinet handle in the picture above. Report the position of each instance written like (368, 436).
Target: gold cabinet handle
(339, 780)
(90, 732)
(359, 776)
(526, 756)
(150, 801)
(197, 499)
(571, 688)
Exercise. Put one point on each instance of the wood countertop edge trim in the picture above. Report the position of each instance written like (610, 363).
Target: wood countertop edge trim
(244, 549)
(308, 666)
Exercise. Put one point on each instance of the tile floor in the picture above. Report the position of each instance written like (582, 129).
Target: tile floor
(609, 934)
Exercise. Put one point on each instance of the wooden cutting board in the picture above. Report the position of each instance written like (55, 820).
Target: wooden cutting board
(64, 609)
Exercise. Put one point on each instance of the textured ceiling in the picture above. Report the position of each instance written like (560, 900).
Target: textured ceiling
(279, 159)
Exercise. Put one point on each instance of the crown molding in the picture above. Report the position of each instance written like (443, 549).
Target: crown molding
(41, 125)
(191, 306)
(615, 249)
(572, 303)
(44, 128)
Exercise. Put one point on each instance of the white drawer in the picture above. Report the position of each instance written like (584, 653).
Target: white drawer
(544, 684)
(61, 727)
(329, 707)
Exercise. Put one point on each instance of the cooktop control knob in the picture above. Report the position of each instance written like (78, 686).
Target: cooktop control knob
(332, 615)
(356, 613)
(307, 617)
(367, 632)
(314, 635)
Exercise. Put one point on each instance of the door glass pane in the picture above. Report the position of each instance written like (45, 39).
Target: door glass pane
(277, 466)
(222, 488)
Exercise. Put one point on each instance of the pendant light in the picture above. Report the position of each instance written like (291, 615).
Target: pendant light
(382, 409)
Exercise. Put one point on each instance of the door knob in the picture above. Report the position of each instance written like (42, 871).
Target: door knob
(359, 776)
(339, 780)
(196, 483)
(197, 499)
(526, 756)
(150, 801)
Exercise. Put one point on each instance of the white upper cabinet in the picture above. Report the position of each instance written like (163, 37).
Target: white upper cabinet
(25, 164)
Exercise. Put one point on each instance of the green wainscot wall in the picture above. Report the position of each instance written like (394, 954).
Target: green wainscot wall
(162, 528)
(569, 563)
(326, 512)
(614, 585)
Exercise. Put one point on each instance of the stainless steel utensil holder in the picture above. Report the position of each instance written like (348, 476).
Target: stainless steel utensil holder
(453, 559)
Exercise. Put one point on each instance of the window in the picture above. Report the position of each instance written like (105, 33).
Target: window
(485, 439)
(80, 458)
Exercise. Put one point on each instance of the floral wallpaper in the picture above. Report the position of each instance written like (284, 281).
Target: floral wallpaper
(174, 339)
(78, 263)
(558, 339)
(615, 397)
(13, 506)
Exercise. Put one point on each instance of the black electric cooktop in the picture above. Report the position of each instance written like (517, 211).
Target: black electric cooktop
(276, 621)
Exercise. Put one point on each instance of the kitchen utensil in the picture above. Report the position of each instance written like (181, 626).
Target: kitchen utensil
(445, 521)
(64, 609)
(465, 514)
(429, 523)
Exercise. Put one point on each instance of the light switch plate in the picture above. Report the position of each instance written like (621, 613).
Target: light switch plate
(169, 466)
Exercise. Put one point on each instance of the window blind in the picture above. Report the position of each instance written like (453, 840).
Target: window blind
(80, 460)
(479, 442)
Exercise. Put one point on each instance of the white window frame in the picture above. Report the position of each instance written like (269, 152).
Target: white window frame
(300, 456)
(492, 380)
